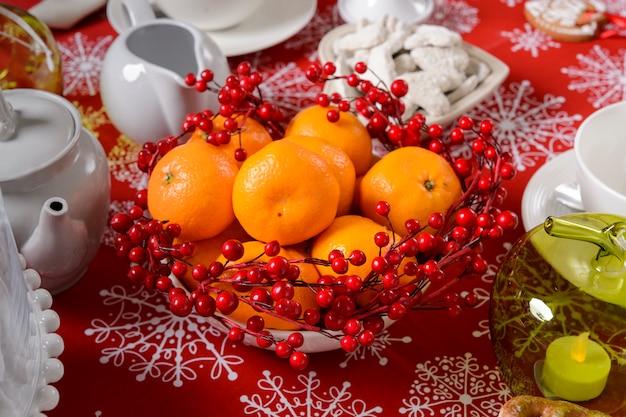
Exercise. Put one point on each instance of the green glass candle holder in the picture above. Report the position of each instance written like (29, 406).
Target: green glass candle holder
(561, 279)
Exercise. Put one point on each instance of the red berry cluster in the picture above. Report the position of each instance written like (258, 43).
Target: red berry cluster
(239, 98)
(417, 270)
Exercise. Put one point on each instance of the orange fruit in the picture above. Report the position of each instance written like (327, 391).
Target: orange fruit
(192, 186)
(208, 250)
(285, 192)
(348, 133)
(252, 136)
(414, 181)
(303, 294)
(348, 233)
(339, 162)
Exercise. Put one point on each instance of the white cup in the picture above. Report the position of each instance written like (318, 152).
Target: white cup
(600, 152)
(209, 14)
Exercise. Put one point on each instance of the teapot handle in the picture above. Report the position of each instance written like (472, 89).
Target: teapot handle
(137, 12)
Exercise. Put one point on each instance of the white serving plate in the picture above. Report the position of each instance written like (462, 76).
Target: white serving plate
(274, 22)
(499, 72)
(538, 201)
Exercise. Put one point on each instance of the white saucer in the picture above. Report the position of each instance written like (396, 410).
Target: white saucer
(538, 201)
(276, 21)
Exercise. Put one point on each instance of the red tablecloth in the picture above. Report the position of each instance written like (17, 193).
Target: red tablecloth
(126, 355)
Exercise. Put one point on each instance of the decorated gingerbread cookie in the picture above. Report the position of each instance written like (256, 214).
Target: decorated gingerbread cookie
(567, 20)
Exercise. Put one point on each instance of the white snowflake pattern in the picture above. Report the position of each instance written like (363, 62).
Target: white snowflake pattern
(511, 3)
(600, 74)
(457, 387)
(116, 207)
(82, 61)
(287, 87)
(145, 336)
(527, 127)
(376, 350)
(122, 164)
(455, 15)
(531, 40)
(308, 398)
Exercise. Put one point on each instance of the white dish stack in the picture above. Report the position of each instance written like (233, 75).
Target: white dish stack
(28, 345)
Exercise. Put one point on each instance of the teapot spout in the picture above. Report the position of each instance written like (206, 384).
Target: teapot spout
(57, 248)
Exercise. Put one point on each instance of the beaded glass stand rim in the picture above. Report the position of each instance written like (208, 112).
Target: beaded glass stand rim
(499, 71)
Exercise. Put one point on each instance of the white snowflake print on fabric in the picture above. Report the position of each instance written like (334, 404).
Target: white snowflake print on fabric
(600, 74)
(511, 3)
(82, 61)
(382, 342)
(123, 164)
(457, 387)
(288, 88)
(530, 40)
(116, 207)
(529, 128)
(305, 398)
(454, 15)
(141, 333)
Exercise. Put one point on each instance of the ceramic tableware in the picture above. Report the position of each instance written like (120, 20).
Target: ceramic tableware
(55, 179)
(600, 154)
(209, 14)
(410, 11)
(142, 80)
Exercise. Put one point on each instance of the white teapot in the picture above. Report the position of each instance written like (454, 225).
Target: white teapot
(54, 177)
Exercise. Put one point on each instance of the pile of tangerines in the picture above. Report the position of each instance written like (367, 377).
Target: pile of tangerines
(295, 225)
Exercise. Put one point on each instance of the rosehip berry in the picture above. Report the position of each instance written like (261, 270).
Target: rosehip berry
(272, 248)
(277, 267)
(397, 311)
(226, 302)
(381, 239)
(367, 338)
(236, 334)
(360, 67)
(508, 220)
(312, 316)
(374, 324)
(399, 88)
(232, 249)
(349, 343)
(180, 305)
(121, 222)
(357, 257)
(264, 339)
(283, 349)
(255, 323)
(299, 360)
(340, 265)
(205, 305)
(382, 208)
(466, 123)
(295, 339)
(486, 127)
(436, 220)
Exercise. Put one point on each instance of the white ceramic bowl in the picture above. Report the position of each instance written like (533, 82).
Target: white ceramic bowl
(410, 11)
(499, 71)
(600, 151)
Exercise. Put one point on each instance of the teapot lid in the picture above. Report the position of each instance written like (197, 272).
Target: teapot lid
(38, 131)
